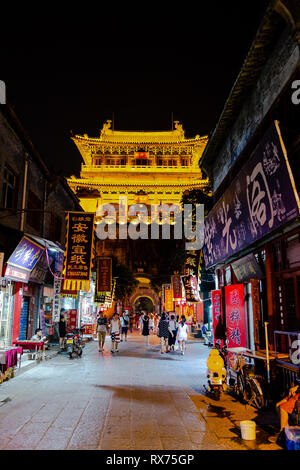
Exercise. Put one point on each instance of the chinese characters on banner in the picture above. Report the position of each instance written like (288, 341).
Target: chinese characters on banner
(79, 246)
(177, 287)
(216, 300)
(56, 301)
(105, 299)
(26, 255)
(104, 276)
(235, 315)
(260, 199)
(72, 319)
(168, 304)
(190, 280)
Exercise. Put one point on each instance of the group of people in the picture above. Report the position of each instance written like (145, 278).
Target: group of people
(172, 331)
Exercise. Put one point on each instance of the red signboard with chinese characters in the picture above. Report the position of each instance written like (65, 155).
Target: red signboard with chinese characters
(216, 300)
(104, 276)
(235, 315)
(72, 319)
(177, 286)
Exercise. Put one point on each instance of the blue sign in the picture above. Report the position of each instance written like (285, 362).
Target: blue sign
(26, 255)
(260, 199)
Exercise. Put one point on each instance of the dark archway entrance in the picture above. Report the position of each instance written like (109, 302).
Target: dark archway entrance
(145, 304)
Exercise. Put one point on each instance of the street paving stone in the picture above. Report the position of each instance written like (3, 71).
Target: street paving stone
(132, 400)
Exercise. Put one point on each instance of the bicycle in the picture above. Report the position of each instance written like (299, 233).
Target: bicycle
(247, 386)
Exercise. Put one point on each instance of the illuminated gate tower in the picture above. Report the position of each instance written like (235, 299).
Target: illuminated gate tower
(147, 167)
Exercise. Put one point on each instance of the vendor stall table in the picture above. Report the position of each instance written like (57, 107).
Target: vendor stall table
(31, 346)
(9, 359)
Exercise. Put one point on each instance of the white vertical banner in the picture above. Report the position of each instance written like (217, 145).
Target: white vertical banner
(56, 301)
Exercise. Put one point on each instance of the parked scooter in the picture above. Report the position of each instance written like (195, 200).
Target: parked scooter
(73, 342)
(216, 374)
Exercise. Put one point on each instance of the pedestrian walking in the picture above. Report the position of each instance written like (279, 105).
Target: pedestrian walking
(115, 329)
(124, 325)
(182, 334)
(102, 327)
(163, 333)
(145, 330)
(173, 328)
(151, 323)
(62, 329)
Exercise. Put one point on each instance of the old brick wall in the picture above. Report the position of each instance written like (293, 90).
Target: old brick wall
(275, 75)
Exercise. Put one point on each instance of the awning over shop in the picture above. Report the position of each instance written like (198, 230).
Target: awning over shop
(28, 260)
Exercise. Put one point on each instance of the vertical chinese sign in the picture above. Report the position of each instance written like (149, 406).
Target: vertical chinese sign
(177, 287)
(191, 272)
(256, 310)
(235, 315)
(56, 301)
(168, 298)
(216, 300)
(79, 249)
(104, 276)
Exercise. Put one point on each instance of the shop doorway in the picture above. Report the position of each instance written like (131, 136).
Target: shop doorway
(24, 318)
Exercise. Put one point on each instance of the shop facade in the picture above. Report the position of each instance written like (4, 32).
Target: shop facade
(252, 232)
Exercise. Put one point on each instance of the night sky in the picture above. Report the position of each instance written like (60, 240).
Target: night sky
(63, 78)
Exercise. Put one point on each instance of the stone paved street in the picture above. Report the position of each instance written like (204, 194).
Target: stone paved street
(136, 399)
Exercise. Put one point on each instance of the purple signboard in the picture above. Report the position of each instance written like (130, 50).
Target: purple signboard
(26, 255)
(260, 199)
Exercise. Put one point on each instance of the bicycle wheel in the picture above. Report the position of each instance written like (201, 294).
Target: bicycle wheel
(240, 388)
(257, 394)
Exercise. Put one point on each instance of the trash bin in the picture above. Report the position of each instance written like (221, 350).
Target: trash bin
(248, 430)
(292, 437)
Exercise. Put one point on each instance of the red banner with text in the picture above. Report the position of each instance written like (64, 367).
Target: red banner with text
(235, 315)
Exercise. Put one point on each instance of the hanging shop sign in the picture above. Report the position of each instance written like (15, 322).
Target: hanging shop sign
(235, 315)
(16, 274)
(216, 302)
(26, 255)
(260, 199)
(103, 275)
(168, 298)
(40, 270)
(256, 310)
(190, 279)
(177, 287)
(105, 299)
(247, 268)
(79, 248)
(64, 292)
(56, 301)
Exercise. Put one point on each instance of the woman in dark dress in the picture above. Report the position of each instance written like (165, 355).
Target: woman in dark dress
(163, 332)
(62, 330)
(146, 331)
